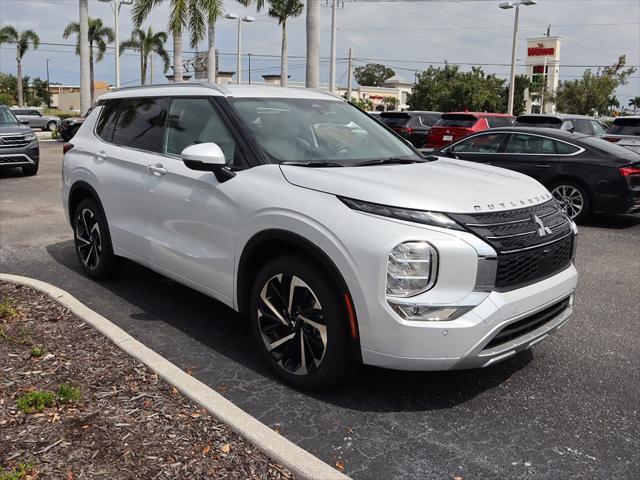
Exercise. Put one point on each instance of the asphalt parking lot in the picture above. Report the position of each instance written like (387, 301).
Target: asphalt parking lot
(567, 409)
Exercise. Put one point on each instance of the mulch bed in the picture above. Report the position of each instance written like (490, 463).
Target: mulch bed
(129, 424)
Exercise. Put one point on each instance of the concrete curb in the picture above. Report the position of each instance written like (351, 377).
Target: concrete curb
(296, 459)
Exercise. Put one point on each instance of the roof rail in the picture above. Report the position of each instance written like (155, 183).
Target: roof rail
(212, 86)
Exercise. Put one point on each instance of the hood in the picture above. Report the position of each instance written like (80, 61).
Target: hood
(14, 129)
(444, 185)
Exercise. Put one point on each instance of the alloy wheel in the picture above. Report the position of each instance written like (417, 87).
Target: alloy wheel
(292, 325)
(570, 198)
(88, 238)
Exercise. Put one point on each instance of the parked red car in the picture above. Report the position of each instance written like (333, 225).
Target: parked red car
(456, 125)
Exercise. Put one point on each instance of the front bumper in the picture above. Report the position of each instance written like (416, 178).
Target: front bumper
(462, 343)
(20, 156)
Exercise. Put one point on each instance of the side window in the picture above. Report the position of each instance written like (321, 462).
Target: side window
(583, 126)
(35, 113)
(565, 148)
(598, 128)
(529, 145)
(141, 123)
(107, 121)
(489, 143)
(195, 120)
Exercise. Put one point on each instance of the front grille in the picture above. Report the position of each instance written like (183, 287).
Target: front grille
(528, 324)
(13, 141)
(532, 242)
(13, 159)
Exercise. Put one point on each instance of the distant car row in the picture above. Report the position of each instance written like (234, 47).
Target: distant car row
(36, 119)
(436, 130)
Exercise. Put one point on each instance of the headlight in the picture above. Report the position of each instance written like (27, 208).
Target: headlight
(30, 136)
(411, 269)
(435, 219)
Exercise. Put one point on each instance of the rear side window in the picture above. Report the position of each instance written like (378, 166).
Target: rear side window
(107, 121)
(625, 126)
(141, 123)
(455, 120)
(193, 121)
(495, 122)
(540, 122)
(566, 149)
(489, 143)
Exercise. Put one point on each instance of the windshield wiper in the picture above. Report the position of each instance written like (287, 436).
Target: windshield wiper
(314, 163)
(387, 161)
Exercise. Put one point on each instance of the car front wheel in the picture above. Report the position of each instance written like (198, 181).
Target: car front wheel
(299, 321)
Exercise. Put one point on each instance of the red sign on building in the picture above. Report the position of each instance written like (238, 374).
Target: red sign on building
(540, 51)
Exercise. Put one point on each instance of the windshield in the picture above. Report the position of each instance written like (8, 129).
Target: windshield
(306, 130)
(455, 120)
(7, 117)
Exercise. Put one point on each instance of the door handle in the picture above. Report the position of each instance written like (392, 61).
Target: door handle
(157, 169)
(102, 156)
(543, 165)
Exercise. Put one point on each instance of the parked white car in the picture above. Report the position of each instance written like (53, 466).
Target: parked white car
(340, 242)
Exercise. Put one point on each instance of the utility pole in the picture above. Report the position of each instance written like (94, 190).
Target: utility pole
(115, 6)
(332, 64)
(48, 87)
(249, 68)
(349, 76)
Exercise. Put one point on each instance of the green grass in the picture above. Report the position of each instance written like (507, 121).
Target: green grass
(36, 401)
(19, 472)
(68, 394)
(7, 308)
(38, 351)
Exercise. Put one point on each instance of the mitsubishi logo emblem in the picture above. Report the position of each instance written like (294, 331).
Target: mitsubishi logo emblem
(541, 229)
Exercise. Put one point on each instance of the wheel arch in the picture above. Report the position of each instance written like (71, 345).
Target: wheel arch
(269, 244)
(78, 192)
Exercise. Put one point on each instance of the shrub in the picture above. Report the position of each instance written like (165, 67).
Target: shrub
(19, 472)
(7, 308)
(36, 401)
(68, 394)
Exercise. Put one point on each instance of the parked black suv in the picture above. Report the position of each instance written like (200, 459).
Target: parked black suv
(414, 126)
(571, 123)
(18, 144)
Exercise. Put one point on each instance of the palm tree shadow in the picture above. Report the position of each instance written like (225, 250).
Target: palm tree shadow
(219, 328)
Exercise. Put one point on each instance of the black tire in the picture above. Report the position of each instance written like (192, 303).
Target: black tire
(51, 126)
(93, 244)
(335, 362)
(30, 170)
(573, 198)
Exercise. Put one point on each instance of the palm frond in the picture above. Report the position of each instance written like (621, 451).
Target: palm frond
(8, 34)
(197, 24)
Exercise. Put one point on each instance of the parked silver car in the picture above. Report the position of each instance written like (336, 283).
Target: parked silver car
(36, 119)
(625, 131)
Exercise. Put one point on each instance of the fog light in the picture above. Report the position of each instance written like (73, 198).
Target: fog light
(427, 313)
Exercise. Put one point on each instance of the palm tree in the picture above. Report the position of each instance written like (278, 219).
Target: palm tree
(313, 43)
(213, 9)
(98, 35)
(9, 34)
(282, 10)
(635, 103)
(148, 43)
(184, 14)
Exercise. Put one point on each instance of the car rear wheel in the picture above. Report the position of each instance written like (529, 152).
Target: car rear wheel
(573, 199)
(299, 322)
(93, 241)
(51, 126)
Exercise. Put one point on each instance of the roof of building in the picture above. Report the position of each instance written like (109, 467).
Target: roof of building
(396, 79)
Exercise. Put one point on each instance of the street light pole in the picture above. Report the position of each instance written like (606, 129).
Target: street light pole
(512, 77)
(48, 87)
(235, 16)
(332, 64)
(115, 6)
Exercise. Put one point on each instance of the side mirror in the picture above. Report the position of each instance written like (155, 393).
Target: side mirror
(24, 122)
(207, 157)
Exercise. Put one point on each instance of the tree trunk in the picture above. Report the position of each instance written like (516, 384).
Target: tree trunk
(143, 69)
(284, 73)
(92, 89)
(85, 85)
(19, 83)
(211, 54)
(313, 43)
(177, 57)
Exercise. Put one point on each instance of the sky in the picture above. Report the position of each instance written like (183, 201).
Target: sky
(407, 36)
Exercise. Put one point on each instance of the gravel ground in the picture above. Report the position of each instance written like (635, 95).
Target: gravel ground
(128, 424)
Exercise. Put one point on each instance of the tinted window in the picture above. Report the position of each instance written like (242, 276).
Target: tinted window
(490, 143)
(7, 117)
(429, 119)
(529, 144)
(582, 126)
(141, 123)
(565, 149)
(107, 120)
(625, 126)
(395, 120)
(495, 122)
(598, 128)
(457, 120)
(19, 112)
(35, 113)
(540, 122)
(194, 120)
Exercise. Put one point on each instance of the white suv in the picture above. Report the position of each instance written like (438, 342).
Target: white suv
(337, 239)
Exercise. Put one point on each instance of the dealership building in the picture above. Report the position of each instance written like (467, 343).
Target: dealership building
(543, 69)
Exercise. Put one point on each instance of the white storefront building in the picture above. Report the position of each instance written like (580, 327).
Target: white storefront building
(543, 69)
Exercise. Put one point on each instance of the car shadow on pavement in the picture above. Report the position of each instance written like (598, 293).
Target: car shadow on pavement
(219, 328)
